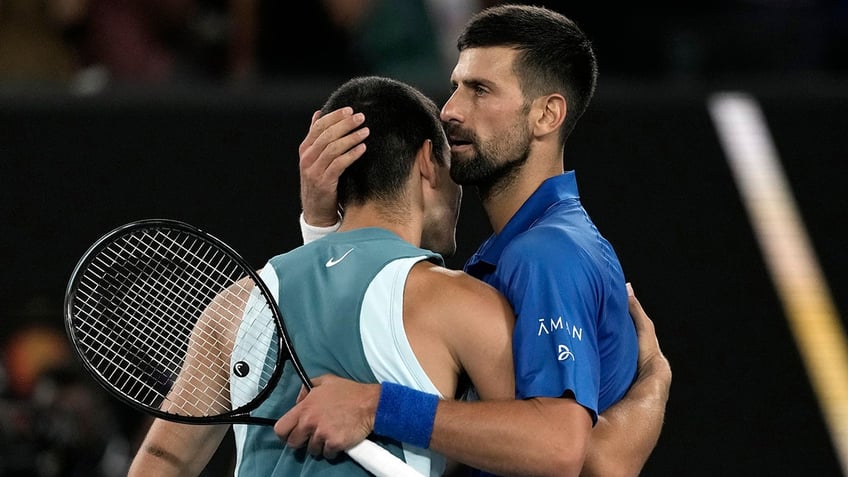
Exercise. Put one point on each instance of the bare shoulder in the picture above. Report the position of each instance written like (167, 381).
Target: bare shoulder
(454, 290)
(462, 309)
(457, 322)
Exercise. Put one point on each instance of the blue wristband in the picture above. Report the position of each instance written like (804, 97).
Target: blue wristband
(405, 414)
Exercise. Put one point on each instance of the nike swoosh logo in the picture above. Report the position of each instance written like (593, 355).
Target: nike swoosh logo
(335, 261)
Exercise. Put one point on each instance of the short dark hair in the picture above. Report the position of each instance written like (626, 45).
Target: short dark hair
(400, 119)
(555, 56)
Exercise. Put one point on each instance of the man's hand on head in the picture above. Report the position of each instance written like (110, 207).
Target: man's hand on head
(334, 142)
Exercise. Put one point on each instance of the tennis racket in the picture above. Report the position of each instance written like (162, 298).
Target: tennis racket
(175, 323)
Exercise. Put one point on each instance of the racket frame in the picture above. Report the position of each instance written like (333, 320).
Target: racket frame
(240, 415)
(374, 458)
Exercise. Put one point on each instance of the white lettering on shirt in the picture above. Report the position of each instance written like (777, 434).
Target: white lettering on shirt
(552, 325)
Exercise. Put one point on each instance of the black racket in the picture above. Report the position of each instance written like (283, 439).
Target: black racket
(175, 323)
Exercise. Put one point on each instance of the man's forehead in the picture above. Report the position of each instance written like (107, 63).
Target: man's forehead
(486, 64)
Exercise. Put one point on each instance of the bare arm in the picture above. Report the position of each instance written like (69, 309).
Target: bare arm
(542, 436)
(339, 413)
(172, 449)
(629, 430)
(175, 449)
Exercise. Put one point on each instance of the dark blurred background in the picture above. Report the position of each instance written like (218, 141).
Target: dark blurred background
(116, 110)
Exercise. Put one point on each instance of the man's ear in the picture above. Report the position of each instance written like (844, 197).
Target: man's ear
(426, 164)
(551, 110)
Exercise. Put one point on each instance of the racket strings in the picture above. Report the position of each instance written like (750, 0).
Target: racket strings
(260, 338)
(161, 300)
(139, 309)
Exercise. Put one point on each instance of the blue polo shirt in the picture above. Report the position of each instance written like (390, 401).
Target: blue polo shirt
(573, 329)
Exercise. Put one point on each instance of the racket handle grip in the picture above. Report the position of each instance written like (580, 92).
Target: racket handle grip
(379, 461)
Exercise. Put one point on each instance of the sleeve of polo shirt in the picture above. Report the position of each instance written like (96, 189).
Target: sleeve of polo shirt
(554, 291)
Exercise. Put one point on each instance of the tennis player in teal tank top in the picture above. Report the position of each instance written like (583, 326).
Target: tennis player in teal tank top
(342, 302)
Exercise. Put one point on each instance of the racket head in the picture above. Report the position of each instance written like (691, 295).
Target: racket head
(174, 322)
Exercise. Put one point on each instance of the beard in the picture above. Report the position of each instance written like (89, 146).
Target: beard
(490, 166)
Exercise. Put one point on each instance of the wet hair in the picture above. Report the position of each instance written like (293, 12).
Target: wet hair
(400, 119)
(554, 55)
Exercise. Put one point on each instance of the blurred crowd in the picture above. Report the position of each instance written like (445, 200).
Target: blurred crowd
(54, 421)
(93, 43)
(98, 42)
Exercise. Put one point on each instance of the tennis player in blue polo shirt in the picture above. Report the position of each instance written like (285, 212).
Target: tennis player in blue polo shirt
(574, 334)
